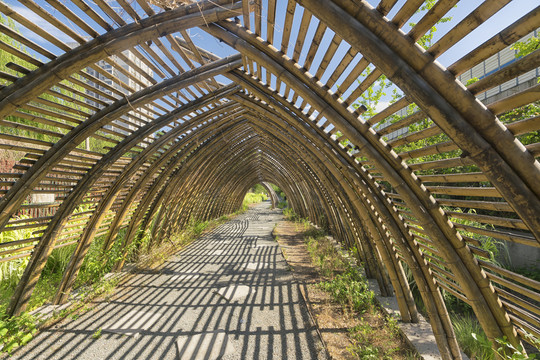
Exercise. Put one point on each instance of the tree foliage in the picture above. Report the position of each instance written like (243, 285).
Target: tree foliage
(524, 48)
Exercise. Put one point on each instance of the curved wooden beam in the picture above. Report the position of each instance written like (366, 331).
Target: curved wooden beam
(112, 42)
(12, 200)
(424, 207)
(44, 248)
(477, 131)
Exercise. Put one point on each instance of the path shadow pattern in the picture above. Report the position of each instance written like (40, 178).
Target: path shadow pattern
(270, 322)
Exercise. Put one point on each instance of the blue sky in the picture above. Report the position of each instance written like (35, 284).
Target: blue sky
(514, 10)
(499, 21)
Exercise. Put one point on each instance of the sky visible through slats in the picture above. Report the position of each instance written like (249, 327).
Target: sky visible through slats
(499, 21)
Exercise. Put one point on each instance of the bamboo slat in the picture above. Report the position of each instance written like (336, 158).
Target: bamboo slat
(468, 24)
(287, 26)
(520, 238)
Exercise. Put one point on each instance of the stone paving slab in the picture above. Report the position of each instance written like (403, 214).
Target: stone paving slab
(205, 346)
(133, 323)
(234, 292)
(256, 266)
(271, 323)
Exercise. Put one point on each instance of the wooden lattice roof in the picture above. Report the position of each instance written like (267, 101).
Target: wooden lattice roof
(130, 115)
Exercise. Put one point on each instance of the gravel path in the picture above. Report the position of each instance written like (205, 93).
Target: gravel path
(155, 310)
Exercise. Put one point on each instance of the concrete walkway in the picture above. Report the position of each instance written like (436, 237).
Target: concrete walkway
(228, 295)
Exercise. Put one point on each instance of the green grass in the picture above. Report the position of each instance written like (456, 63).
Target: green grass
(290, 215)
(199, 226)
(323, 253)
(251, 198)
(471, 338)
(11, 271)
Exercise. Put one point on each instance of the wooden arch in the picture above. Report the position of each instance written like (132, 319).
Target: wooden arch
(175, 133)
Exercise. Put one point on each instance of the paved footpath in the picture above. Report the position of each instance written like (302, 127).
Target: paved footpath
(228, 295)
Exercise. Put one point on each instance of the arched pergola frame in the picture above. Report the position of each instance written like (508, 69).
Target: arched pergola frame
(188, 144)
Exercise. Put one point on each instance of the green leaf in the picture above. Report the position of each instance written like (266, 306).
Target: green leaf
(26, 338)
(10, 346)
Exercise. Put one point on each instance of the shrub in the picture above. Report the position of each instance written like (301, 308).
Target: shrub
(252, 198)
(351, 289)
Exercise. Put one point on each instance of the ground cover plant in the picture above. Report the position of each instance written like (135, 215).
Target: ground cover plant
(349, 288)
(376, 336)
(372, 335)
